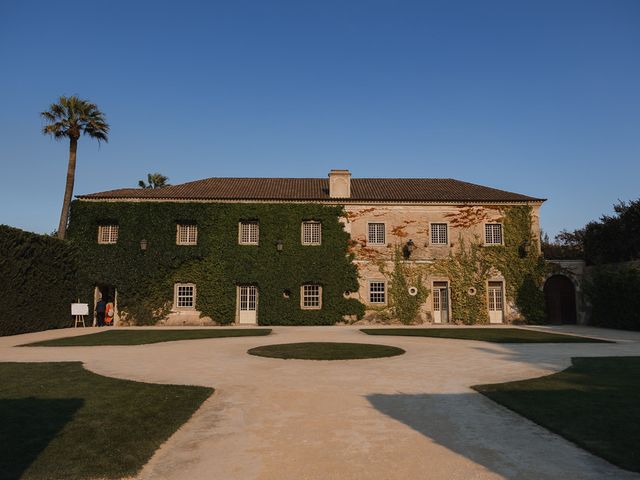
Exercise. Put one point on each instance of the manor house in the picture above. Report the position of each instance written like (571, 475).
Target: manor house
(458, 240)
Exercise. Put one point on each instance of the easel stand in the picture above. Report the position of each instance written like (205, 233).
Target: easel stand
(79, 319)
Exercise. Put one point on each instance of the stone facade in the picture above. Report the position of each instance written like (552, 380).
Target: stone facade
(405, 223)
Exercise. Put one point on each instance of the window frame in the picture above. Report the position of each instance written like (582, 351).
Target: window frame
(243, 223)
(302, 233)
(110, 234)
(384, 234)
(304, 296)
(187, 242)
(384, 291)
(491, 244)
(176, 296)
(446, 226)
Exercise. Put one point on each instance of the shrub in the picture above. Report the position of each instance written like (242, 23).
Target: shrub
(38, 278)
(613, 295)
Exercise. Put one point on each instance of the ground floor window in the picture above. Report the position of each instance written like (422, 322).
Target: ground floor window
(185, 295)
(377, 291)
(311, 298)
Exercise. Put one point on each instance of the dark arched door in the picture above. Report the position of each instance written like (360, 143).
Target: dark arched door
(560, 298)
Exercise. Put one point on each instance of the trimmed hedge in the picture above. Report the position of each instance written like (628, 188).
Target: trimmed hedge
(614, 295)
(38, 279)
(217, 264)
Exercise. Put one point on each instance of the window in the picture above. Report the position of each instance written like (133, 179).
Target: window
(185, 295)
(249, 233)
(187, 234)
(493, 234)
(439, 234)
(376, 234)
(311, 297)
(311, 233)
(377, 292)
(107, 233)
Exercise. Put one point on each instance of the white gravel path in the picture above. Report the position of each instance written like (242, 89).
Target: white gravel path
(407, 417)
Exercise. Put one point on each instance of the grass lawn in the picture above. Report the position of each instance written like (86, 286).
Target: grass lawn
(58, 420)
(141, 337)
(325, 351)
(495, 335)
(595, 403)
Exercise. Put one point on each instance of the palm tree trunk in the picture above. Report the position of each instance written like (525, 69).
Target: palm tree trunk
(68, 189)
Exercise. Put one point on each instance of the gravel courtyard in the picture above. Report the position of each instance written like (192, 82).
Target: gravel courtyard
(406, 417)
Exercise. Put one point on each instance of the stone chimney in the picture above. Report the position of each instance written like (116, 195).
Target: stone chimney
(340, 184)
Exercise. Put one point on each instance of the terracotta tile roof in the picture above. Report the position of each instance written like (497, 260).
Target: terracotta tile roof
(317, 189)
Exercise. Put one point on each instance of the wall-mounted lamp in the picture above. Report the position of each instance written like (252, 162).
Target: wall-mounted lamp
(143, 245)
(279, 245)
(408, 248)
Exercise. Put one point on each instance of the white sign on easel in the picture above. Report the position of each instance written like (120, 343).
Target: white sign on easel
(79, 310)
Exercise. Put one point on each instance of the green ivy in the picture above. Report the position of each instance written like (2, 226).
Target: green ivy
(471, 264)
(145, 280)
(404, 306)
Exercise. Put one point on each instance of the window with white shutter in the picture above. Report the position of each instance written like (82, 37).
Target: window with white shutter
(187, 234)
(376, 234)
(493, 234)
(107, 234)
(439, 234)
(249, 233)
(311, 233)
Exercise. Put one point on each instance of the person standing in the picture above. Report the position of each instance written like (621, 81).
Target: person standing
(101, 307)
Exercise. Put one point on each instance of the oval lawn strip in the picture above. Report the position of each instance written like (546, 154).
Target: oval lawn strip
(325, 351)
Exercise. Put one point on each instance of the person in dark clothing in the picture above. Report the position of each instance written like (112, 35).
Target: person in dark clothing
(101, 307)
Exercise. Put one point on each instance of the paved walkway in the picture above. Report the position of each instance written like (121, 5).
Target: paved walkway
(407, 417)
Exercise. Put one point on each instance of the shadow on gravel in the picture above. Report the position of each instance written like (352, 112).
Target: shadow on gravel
(503, 442)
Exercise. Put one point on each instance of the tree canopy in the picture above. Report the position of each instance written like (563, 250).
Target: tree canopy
(613, 238)
(154, 180)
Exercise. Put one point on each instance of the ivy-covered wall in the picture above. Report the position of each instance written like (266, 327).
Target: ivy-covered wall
(468, 265)
(217, 264)
(38, 280)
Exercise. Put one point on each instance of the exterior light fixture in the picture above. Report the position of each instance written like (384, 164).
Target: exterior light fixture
(279, 245)
(411, 246)
(408, 248)
(143, 245)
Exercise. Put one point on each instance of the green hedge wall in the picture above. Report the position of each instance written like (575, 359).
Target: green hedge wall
(38, 279)
(216, 265)
(613, 292)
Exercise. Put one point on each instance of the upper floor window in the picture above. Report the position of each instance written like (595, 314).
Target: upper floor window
(377, 291)
(376, 234)
(107, 233)
(439, 234)
(493, 234)
(185, 295)
(187, 234)
(311, 233)
(311, 297)
(249, 233)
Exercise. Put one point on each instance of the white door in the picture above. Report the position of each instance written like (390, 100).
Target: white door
(496, 302)
(247, 304)
(440, 302)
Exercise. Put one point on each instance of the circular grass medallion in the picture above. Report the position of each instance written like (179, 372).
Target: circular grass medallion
(326, 351)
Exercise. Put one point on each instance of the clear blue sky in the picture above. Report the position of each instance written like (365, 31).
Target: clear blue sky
(538, 97)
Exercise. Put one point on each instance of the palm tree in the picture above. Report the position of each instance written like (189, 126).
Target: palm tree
(154, 180)
(70, 118)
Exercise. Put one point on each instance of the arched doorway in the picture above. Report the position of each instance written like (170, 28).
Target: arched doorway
(560, 299)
